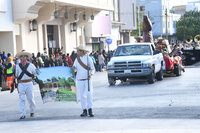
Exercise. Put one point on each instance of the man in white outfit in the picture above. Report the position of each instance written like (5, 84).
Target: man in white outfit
(25, 71)
(84, 67)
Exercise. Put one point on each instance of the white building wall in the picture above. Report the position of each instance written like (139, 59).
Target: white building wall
(6, 21)
(115, 35)
(127, 14)
(7, 42)
(70, 39)
(29, 39)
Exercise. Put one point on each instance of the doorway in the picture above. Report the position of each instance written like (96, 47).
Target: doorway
(52, 38)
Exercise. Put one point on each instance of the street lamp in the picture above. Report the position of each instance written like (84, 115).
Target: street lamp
(66, 14)
(92, 16)
(84, 16)
(56, 14)
(73, 26)
(33, 25)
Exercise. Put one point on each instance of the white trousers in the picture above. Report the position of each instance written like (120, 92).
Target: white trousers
(26, 91)
(85, 95)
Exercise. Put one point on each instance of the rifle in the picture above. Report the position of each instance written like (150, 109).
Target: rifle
(40, 83)
(88, 75)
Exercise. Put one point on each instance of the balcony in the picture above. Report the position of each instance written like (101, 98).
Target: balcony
(96, 4)
(31, 9)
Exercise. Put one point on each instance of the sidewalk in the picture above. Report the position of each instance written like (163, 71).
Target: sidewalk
(102, 126)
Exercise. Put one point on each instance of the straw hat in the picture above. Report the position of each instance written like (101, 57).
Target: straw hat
(160, 38)
(18, 55)
(81, 47)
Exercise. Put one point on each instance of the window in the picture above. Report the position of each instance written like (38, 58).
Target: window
(133, 50)
(174, 24)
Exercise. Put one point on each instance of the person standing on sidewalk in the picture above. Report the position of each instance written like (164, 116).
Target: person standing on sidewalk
(24, 74)
(84, 67)
(9, 72)
(1, 74)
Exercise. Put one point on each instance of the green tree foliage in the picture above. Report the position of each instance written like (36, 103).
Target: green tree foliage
(63, 82)
(192, 25)
(66, 83)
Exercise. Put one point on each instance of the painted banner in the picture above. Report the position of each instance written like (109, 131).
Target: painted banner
(57, 84)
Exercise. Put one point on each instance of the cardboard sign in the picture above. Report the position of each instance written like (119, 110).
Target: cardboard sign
(57, 84)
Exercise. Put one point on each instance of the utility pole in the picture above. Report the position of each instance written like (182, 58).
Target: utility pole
(166, 24)
(139, 20)
(184, 27)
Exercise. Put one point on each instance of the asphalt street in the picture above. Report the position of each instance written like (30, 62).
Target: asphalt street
(171, 105)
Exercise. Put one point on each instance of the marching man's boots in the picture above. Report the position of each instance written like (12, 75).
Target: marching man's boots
(90, 112)
(84, 113)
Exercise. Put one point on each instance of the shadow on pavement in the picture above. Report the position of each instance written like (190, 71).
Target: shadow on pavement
(117, 113)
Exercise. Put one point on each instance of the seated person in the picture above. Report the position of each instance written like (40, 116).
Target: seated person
(124, 52)
(168, 61)
(157, 49)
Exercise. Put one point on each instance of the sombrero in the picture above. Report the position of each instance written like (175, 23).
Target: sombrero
(18, 55)
(81, 47)
(160, 38)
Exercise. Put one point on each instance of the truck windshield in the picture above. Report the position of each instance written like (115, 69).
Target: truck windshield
(133, 50)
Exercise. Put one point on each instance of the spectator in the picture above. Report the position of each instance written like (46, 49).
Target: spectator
(40, 60)
(0, 53)
(97, 61)
(69, 60)
(1, 74)
(46, 61)
(91, 56)
(101, 61)
(3, 56)
(73, 56)
(45, 52)
(52, 61)
(9, 72)
(56, 62)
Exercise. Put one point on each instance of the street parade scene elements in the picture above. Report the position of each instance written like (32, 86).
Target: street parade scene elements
(57, 84)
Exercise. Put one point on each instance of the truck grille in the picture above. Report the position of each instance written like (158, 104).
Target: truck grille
(128, 64)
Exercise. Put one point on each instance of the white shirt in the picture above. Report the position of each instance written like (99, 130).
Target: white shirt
(82, 73)
(31, 69)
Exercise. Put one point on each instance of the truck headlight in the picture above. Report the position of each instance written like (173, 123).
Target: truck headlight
(110, 65)
(146, 65)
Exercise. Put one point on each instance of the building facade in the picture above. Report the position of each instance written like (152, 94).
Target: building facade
(33, 25)
(164, 22)
(193, 5)
(7, 41)
(115, 25)
(127, 15)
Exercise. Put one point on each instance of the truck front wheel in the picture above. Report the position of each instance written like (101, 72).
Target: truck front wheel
(151, 77)
(159, 75)
(111, 81)
(177, 70)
